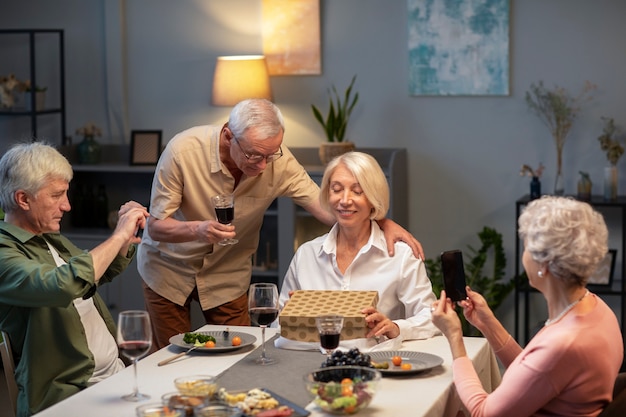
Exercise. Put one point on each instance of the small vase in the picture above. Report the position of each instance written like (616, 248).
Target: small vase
(610, 183)
(559, 188)
(535, 188)
(88, 151)
(584, 188)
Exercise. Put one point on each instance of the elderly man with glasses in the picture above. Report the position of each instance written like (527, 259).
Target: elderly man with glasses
(179, 259)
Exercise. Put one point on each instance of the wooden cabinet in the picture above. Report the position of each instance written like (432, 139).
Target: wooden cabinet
(613, 293)
(34, 53)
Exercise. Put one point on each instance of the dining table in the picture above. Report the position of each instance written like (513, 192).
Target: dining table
(429, 393)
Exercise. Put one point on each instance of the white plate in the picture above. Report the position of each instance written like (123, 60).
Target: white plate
(419, 361)
(222, 343)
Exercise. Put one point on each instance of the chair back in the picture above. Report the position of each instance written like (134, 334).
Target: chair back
(9, 372)
(618, 405)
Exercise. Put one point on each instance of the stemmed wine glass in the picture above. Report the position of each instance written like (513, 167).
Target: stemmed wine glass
(134, 338)
(329, 327)
(263, 310)
(224, 205)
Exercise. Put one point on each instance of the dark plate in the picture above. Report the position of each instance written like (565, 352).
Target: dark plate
(419, 361)
(222, 343)
(297, 410)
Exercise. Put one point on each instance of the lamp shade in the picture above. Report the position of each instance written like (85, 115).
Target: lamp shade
(240, 77)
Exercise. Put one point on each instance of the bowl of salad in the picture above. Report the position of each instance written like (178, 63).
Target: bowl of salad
(342, 389)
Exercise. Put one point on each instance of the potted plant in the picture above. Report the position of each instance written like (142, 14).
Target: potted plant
(614, 151)
(40, 96)
(89, 149)
(557, 109)
(336, 122)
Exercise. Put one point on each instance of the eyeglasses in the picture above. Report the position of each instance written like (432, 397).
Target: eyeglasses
(256, 158)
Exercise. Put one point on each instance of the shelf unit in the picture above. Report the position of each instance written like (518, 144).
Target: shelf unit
(616, 290)
(33, 113)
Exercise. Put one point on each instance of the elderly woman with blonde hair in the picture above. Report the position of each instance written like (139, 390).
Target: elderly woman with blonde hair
(570, 366)
(353, 256)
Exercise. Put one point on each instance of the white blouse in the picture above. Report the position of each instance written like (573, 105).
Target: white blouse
(404, 290)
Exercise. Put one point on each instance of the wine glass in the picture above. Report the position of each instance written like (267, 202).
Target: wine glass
(263, 310)
(134, 338)
(329, 327)
(224, 205)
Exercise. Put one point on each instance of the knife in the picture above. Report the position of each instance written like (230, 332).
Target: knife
(178, 355)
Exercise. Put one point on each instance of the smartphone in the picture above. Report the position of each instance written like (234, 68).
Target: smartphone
(453, 274)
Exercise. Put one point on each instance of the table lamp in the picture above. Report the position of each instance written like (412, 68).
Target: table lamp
(240, 77)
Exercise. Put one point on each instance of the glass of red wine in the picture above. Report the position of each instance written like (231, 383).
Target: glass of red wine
(224, 205)
(329, 327)
(263, 310)
(134, 338)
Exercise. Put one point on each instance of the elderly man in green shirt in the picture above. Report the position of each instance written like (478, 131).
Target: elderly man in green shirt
(62, 334)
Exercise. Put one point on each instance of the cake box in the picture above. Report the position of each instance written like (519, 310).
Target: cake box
(297, 319)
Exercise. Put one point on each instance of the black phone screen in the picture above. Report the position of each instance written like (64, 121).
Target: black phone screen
(453, 274)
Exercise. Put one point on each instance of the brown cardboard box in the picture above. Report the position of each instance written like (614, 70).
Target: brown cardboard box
(297, 319)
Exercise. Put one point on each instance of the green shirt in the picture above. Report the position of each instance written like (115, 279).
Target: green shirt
(37, 311)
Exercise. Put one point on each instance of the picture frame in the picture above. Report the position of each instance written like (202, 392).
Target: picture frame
(603, 276)
(145, 147)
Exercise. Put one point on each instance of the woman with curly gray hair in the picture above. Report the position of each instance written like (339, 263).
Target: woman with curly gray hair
(570, 366)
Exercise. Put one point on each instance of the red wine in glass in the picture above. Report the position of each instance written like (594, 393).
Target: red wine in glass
(329, 328)
(263, 316)
(134, 350)
(329, 341)
(225, 215)
(134, 338)
(224, 205)
(263, 310)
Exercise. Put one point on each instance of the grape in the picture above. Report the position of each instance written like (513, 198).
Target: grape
(352, 357)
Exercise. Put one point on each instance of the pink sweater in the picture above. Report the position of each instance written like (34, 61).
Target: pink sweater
(567, 369)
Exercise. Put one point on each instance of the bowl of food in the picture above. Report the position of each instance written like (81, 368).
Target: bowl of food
(157, 410)
(342, 389)
(196, 385)
(218, 409)
(186, 404)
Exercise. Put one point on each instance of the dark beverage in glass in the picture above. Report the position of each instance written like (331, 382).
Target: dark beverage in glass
(225, 215)
(263, 310)
(134, 350)
(263, 316)
(329, 341)
(224, 205)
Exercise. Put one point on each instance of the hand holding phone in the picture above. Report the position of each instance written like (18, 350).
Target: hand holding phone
(453, 274)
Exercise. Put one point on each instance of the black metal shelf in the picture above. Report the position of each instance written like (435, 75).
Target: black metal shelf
(32, 113)
(525, 290)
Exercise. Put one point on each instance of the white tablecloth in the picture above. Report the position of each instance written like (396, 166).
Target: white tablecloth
(432, 394)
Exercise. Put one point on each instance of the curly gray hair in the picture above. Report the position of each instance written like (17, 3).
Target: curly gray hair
(567, 235)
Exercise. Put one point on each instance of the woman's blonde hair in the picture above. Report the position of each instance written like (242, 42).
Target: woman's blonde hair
(368, 174)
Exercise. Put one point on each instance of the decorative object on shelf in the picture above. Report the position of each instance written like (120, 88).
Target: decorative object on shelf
(584, 186)
(10, 89)
(40, 97)
(614, 151)
(535, 183)
(145, 147)
(89, 149)
(610, 182)
(336, 122)
(557, 109)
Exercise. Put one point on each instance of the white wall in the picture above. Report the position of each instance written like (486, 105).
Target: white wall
(464, 152)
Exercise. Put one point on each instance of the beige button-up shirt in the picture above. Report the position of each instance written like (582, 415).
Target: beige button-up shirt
(188, 173)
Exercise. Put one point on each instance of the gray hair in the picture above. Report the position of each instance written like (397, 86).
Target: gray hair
(368, 174)
(260, 114)
(27, 167)
(567, 235)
